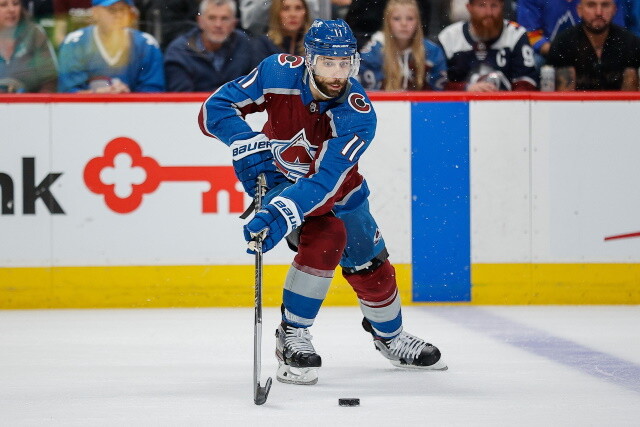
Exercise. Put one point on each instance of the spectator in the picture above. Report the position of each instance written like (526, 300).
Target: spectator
(110, 57)
(488, 53)
(365, 18)
(211, 54)
(254, 14)
(27, 60)
(70, 15)
(596, 54)
(289, 21)
(399, 57)
(167, 19)
(544, 19)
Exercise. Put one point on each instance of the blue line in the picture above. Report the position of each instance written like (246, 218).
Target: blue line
(440, 216)
(592, 362)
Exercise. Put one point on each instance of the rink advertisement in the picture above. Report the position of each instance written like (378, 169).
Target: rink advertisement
(122, 202)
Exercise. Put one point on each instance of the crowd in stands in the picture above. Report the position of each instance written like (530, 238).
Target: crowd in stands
(120, 46)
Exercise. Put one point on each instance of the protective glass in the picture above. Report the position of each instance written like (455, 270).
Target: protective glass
(334, 67)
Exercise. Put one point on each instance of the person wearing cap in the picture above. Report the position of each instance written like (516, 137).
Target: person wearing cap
(110, 57)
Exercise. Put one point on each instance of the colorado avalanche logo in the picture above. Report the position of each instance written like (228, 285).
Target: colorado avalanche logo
(292, 60)
(293, 157)
(356, 100)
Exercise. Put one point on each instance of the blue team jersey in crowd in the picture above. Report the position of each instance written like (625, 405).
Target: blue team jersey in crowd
(82, 59)
(544, 19)
(509, 56)
(315, 144)
(371, 66)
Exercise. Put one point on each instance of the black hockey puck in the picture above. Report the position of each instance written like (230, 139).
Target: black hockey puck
(351, 401)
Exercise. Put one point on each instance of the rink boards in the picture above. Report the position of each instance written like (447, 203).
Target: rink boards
(122, 202)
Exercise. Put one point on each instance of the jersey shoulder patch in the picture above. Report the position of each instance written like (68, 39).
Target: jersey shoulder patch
(280, 70)
(75, 36)
(359, 102)
(510, 36)
(148, 39)
(291, 61)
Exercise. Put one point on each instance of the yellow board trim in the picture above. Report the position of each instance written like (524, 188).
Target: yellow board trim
(159, 286)
(555, 283)
(232, 286)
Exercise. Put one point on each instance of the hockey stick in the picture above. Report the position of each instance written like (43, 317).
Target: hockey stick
(260, 394)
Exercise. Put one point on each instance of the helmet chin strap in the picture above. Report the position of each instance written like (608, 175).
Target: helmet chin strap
(315, 86)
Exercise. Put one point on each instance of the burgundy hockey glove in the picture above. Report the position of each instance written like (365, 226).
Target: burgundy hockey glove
(251, 157)
(278, 219)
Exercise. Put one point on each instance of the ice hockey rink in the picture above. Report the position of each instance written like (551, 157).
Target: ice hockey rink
(508, 365)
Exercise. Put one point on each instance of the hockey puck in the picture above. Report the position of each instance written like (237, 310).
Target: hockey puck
(351, 401)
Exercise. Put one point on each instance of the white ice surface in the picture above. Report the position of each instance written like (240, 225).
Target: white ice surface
(193, 367)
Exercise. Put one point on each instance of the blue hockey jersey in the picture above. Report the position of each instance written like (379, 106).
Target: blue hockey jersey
(82, 58)
(316, 144)
(371, 66)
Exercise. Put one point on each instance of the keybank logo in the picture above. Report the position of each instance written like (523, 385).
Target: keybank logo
(124, 176)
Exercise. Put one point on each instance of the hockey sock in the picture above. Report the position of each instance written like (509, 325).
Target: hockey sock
(379, 299)
(322, 241)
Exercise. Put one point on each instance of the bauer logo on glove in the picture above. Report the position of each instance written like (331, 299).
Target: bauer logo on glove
(244, 150)
(288, 213)
(278, 219)
(251, 157)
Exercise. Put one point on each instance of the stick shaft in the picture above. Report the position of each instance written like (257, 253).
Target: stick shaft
(257, 329)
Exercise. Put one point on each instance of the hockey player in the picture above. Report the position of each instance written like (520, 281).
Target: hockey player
(320, 121)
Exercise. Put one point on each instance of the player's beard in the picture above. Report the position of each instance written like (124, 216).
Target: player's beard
(324, 83)
(486, 28)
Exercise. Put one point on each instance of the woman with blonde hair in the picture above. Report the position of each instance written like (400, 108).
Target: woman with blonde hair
(399, 57)
(289, 20)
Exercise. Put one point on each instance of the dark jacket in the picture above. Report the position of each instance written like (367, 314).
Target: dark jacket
(190, 68)
(263, 47)
(572, 48)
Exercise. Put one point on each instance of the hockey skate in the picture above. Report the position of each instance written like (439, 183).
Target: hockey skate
(298, 362)
(407, 351)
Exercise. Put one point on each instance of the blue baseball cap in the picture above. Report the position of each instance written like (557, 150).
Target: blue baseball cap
(106, 3)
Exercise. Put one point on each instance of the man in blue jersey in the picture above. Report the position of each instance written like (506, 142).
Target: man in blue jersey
(320, 122)
(110, 57)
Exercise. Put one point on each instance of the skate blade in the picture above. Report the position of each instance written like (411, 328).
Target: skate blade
(438, 366)
(301, 376)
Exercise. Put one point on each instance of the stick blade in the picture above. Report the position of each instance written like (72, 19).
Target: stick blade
(261, 393)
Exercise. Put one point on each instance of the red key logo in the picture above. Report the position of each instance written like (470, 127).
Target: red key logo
(123, 175)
